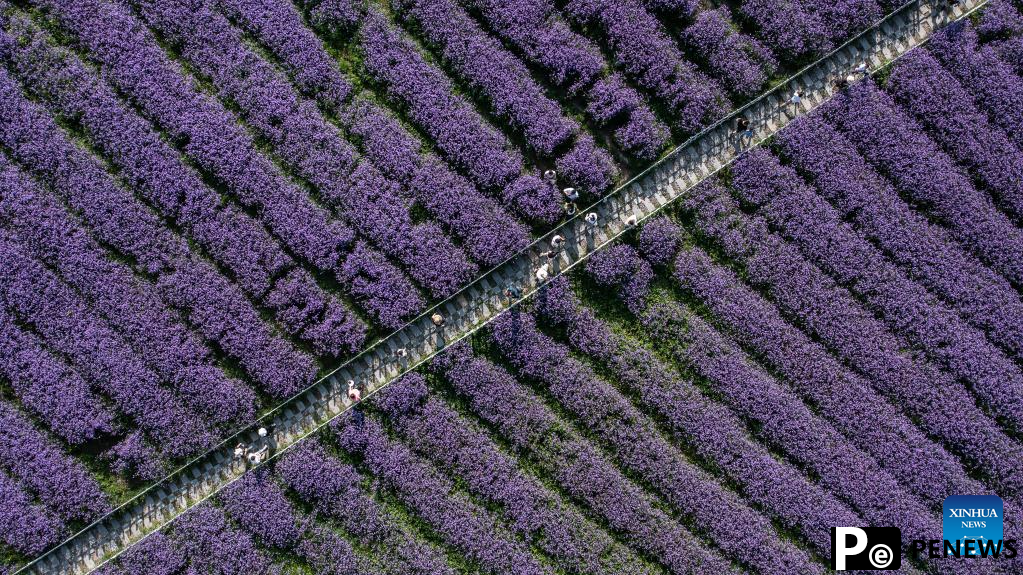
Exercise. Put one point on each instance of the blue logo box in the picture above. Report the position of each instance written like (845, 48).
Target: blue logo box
(972, 517)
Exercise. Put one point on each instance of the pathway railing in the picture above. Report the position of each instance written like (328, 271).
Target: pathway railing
(478, 303)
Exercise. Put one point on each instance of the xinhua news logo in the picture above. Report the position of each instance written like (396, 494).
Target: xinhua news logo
(866, 548)
(973, 523)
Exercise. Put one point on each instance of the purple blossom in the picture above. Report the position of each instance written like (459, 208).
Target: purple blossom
(742, 63)
(683, 9)
(556, 302)
(424, 93)
(831, 314)
(213, 545)
(280, 26)
(154, 555)
(942, 105)
(843, 19)
(136, 459)
(1010, 51)
(61, 483)
(735, 528)
(134, 307)
(393, 149)
(999, 20)
(467, 527)
(575, 465)
(843, 396)
(329, 554)
(70, 90)
(990, 81)
(900, 150)
(491, 233)
(787, 422)
(620, 267)
(610, 99)
(380, 287)
(611, 102)
(308, 144)
(647, 55)
(481, 62)
(49, 387)
(531, 510)
(67, 325)
(258, 504)
(791, 31)
(538, 199)
(336, 17)
(924, 249)
(333, 488)
(535, 29)
(25, 527)
(659, 240)
(210, 302)
(587, 167)
(134, 63)
(708, 428)
(787, 203)
(304, 309)
(643, 135)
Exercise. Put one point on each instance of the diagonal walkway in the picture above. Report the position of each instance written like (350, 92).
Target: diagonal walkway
(479, 302)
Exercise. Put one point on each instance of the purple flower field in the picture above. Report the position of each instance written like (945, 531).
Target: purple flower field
(206, 205)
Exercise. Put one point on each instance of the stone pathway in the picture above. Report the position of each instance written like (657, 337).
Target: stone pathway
(478, 303)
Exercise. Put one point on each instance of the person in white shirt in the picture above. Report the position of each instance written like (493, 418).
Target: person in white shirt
(542, 273)
(258, 456)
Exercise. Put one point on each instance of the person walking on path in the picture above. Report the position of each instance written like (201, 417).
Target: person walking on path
(796, 100)
(259, 455)
(511, 293)
(354, 394)
(745, 130)
(542, 273)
